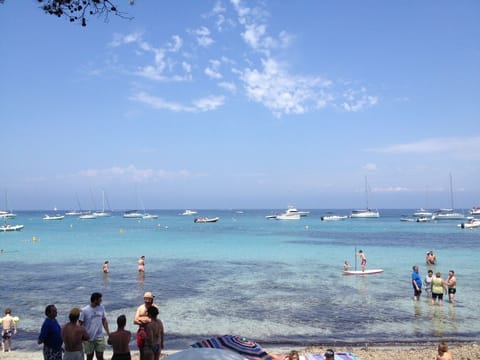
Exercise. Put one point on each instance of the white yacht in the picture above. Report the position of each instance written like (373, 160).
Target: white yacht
(53, 217)
(447, 214)
(422, 213)
(365, 214)
(132, 214)
(474, 210)
(286, 216)
(189, 212)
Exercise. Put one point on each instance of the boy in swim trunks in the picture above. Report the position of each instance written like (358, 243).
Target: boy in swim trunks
(362, 256)
(8, 323)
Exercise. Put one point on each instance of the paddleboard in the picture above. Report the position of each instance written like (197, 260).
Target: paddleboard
(360, 272)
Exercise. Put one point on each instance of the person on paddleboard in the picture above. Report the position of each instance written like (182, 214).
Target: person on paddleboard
(362, 256)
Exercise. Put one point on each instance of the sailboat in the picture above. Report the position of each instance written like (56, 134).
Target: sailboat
(102, 213)
(366, 213)
(448, 214)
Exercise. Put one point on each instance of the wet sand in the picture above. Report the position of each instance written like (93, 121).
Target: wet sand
(464, 351)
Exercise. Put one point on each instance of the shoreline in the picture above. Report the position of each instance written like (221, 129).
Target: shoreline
(461, 350)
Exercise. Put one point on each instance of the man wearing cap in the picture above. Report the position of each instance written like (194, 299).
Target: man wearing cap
(141, 316)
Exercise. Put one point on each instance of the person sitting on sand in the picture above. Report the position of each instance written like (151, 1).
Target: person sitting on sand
(443, 353)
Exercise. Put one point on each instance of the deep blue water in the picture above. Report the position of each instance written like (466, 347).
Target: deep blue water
(273, 281)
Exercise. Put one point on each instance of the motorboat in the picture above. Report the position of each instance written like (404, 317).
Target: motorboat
(293, 211)
(288, 216)
(189, 212)
(53, 217)
(474, 211)
(149, 216)
(87, 216)
(422, 213)
(424, 219)
(8, 227)
(205, 220)
(132, 214)
(470, 224)
(365, 214)
(73, 213)
(407, 219)
(7, 215)
(447, 214)
(102, 213)
(333, 217)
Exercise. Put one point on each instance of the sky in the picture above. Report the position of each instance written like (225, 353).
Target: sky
(234, 104)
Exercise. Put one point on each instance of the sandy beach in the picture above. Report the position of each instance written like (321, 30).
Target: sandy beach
(468, 351)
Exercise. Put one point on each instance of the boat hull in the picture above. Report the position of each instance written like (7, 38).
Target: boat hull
(360, 272)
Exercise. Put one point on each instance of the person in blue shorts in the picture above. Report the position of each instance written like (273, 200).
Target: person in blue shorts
(416, 283)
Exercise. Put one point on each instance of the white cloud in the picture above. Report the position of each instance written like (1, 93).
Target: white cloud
(212, 70)
(357, 100)
(203, 36)
(198, 105)
(132, 173)
(370, 167)
(282, 92)
(230, 86)
(176, 44)
(452, 145)
(119, 39)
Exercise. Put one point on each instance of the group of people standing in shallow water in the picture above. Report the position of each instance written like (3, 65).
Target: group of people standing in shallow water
(435, 286)
(84, 333)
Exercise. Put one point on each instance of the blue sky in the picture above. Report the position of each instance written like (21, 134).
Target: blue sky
(242, 104)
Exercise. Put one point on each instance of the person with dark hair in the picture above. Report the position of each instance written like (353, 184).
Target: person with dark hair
(452, 286)
(154, 340)
(50, 335)
(94, 318)
(73, 334)
(329, 354)
(416, 283)
(120, 339)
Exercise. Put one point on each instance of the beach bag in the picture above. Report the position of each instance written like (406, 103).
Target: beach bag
(141, 337)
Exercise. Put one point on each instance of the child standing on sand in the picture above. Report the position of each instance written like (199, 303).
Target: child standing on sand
(8, 323)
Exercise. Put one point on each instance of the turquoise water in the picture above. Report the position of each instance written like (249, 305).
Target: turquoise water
(277, 282)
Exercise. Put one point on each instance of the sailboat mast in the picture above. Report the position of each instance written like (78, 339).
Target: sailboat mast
(366, 192)
(451, 192)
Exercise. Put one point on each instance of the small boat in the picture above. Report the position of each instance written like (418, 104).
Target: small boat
(8, 227)
(333, 217)
(73, 213)
(365, 214)
(87, 216)
(408, 219)
(53, 217)
(470, 224)
(447, 214)
(287, 216)
(424, 219)
(294, 211)
(149, 216)
(189, 212)
(205, 220)
(102, 213)
(474, 211)
(271, 217)
(360, 272)
(422, 213)
(132, 214)
(7, 215)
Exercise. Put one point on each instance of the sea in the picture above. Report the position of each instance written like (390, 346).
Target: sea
(279, 283)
